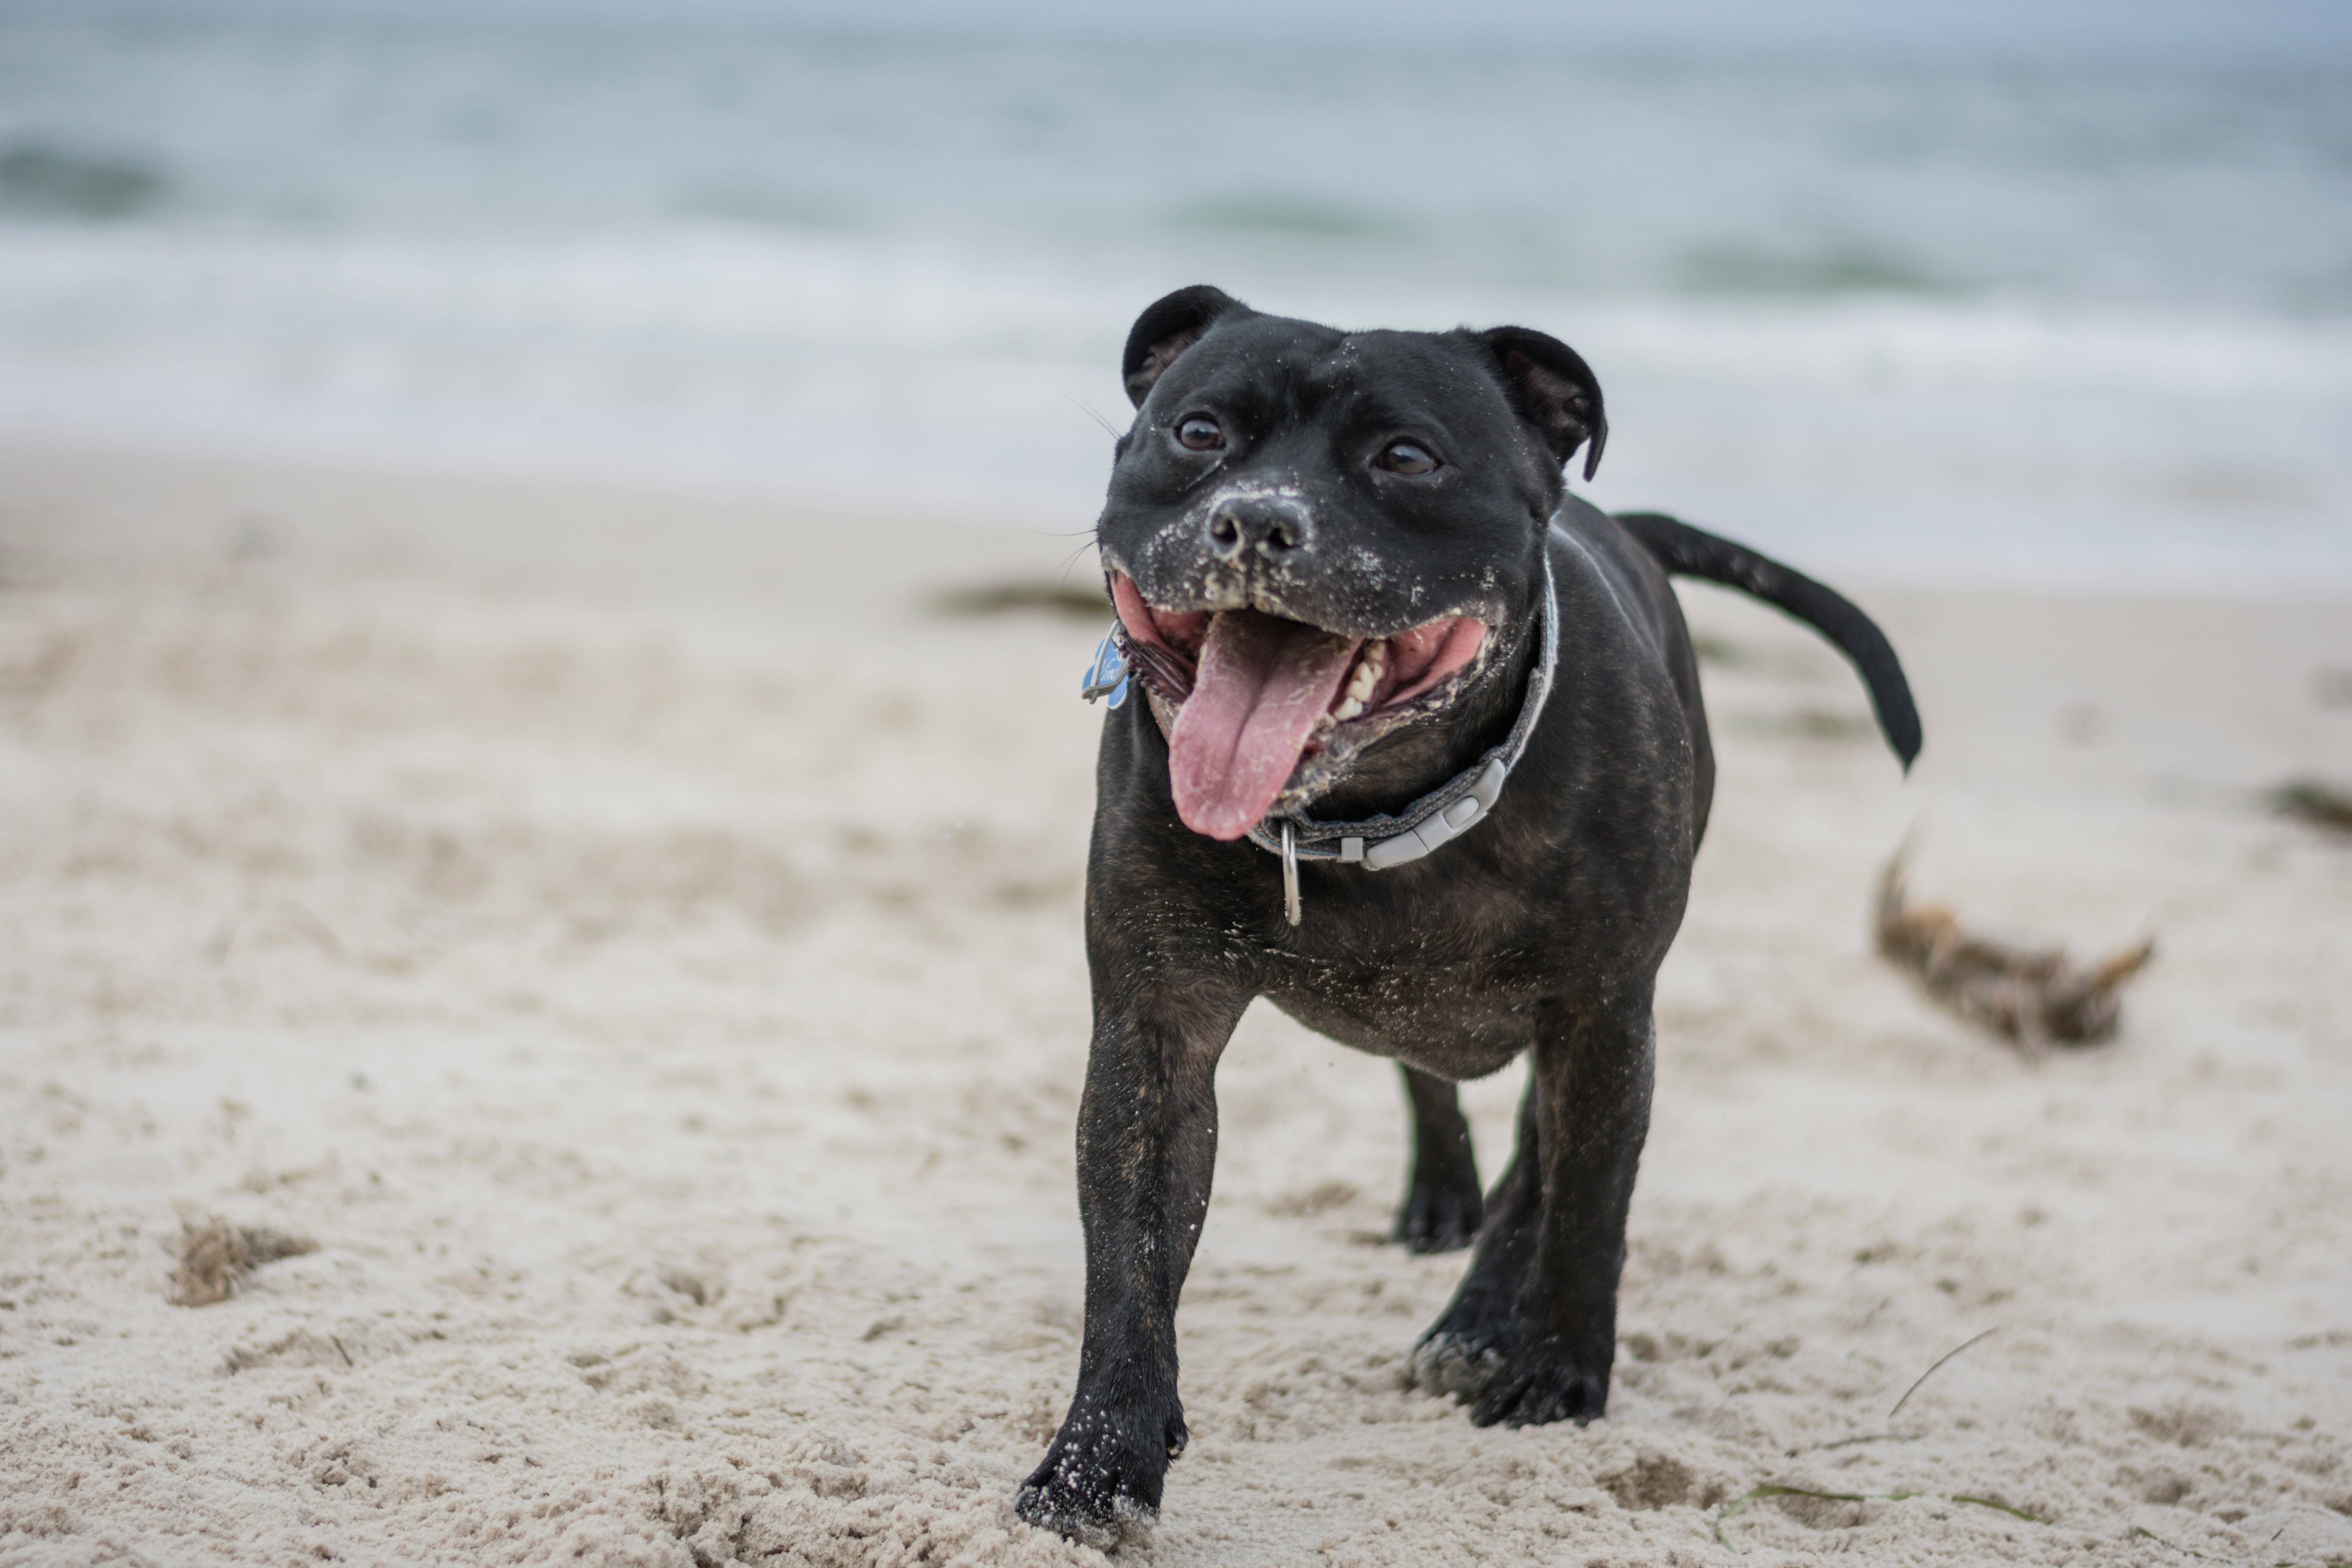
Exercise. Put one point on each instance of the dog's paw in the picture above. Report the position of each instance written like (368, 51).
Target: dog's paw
(1096, 1486)
(1105, 1527)
(1461, 1364)
(1537, 1385)
(1438, 1218)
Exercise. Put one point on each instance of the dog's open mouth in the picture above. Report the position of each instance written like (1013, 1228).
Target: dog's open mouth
(1258, 693)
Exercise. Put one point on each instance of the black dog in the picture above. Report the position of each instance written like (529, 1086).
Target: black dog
(1349, 577)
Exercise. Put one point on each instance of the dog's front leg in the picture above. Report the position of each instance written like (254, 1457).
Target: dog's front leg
(1593, 1067)
(1147, 1147)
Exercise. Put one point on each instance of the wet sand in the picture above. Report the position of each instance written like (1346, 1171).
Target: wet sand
(636, 939)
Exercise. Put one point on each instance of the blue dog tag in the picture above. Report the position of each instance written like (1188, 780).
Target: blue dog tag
(1107, 676)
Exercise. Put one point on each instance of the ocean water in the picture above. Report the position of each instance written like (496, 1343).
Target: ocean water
(2084, 325)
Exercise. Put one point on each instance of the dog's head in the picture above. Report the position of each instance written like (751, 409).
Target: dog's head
(1316, 539)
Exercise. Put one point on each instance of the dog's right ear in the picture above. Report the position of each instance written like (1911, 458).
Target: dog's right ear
(1167, 329)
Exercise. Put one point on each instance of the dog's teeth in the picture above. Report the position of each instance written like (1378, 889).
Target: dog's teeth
(1361, 682)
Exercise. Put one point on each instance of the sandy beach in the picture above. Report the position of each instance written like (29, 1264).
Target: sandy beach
(635, 938)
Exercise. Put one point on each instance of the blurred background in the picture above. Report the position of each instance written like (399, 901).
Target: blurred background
(2009, 294)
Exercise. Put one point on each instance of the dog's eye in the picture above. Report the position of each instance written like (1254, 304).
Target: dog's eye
(1201, 433)
(1407, 458)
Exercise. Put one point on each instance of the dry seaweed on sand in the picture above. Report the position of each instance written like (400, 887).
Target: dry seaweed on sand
(2034, 996)
(2320, 805)
(1081, 600)
(216, 1256)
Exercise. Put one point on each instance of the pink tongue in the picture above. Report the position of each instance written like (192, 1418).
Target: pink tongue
(1262, 683)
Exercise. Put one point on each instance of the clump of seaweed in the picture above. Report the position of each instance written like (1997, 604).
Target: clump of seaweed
(2034, 996)
(216, 1256)
(2320, 805)
(1082, 601)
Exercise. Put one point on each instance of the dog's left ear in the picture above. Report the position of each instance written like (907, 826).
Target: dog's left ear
(1553, 389)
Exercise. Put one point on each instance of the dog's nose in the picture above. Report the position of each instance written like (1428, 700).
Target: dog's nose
(1264, 525)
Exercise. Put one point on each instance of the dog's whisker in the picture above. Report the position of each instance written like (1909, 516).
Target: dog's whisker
(1108, 428)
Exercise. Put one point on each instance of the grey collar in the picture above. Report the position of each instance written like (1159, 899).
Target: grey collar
(1377, 843)
(1445, 813)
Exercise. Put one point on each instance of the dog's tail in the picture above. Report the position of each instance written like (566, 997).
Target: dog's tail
(1690, 553)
